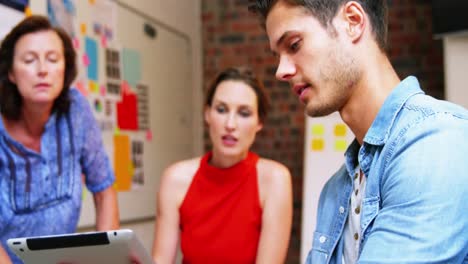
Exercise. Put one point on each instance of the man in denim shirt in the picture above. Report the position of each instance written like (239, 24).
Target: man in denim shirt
(399, 196)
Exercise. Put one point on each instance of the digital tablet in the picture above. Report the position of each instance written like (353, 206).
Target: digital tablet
(116, 247)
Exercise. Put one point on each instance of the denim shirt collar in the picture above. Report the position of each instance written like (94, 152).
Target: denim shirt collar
(378, 133)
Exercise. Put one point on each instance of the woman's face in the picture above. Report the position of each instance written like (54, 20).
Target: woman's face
(38, 67)
(233, 118)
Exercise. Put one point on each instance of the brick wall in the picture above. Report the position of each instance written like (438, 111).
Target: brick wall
(232, 36)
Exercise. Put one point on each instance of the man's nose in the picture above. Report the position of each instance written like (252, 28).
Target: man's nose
(285, 70)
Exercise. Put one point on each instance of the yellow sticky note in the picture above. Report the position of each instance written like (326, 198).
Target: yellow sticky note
(117, 131)
(340, 145)
(340, 130)
(318, 144)
(28, 11)
(318, 130)
(83, 28)
(92, 2)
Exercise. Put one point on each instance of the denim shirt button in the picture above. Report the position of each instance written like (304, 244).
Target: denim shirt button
(322, 239)
(341, 209)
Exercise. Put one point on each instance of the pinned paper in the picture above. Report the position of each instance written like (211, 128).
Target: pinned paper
(122, 163)
(340, 145)
(127, 112)
(98, 106)
(131, 66)
(97, 28)
(318, 130)
(91, 50)
(318, 144)
(340, 130)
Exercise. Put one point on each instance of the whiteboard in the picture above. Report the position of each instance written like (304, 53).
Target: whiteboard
(326, 139)
(166, 71)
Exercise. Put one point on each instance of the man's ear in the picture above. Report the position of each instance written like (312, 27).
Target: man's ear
(355, 19)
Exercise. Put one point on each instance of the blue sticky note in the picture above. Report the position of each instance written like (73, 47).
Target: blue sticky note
(91, 49)
(131, 63)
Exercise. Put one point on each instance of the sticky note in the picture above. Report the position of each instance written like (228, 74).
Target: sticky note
(93, 87)
(149, 135)
(28, 11)
(103, 90)
(85, 60)
(76, 43)
(117, 131)
(318, 144)
(340, 130)
(83, 28)
(82, 88)
(318, 130)
(340, 145)
(104, 41)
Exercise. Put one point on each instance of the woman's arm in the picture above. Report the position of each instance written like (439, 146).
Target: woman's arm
(166, 233)
(107, 210)
(277, 216)
(4, 258)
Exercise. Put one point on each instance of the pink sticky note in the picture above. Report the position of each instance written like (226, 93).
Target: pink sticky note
(104, 41)
(125, 87)
(82, 88)
(76, 43)
(149, 135)
(103, 90)
(86, 60)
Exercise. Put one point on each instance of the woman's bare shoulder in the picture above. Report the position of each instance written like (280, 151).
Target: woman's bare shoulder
(182, 172)
(272, 169)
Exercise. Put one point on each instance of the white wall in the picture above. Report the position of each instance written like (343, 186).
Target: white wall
(456, 68)
(183, 16)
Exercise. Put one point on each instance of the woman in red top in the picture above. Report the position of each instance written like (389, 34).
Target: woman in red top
(228, 206)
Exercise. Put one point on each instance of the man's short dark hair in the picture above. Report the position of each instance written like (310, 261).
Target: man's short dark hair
(10, 98)
(325, 11)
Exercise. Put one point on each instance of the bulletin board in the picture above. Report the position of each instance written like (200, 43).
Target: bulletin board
(136, 74)
(327, 139)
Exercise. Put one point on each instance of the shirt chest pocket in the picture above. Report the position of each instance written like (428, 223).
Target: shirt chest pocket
(34, 184)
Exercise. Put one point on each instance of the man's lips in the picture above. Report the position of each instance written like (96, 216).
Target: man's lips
(299, 88)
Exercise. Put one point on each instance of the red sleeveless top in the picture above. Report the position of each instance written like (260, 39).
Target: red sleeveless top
(220, 217)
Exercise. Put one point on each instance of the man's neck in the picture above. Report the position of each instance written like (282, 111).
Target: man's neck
(378, 81)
